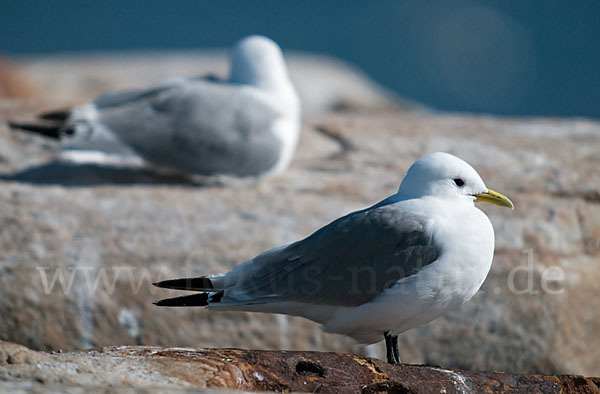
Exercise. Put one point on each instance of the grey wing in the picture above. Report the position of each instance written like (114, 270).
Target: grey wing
(349, 262)
(126, 97)
(197, 126)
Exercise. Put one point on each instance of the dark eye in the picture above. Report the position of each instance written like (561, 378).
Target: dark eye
(459, 182)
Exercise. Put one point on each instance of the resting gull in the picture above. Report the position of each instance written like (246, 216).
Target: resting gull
(376, 272)
(243, 126)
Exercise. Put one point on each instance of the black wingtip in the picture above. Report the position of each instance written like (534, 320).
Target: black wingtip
(50, 131)
(200, 299)
(56, 116)
(193, 284)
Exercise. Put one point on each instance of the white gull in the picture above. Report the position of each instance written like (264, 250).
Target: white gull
(243, 126)
(373, 273)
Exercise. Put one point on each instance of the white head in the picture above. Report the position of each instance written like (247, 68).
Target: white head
(258, 61)
(446, 176)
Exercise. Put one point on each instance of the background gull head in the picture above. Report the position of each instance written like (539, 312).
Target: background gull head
(258, 61)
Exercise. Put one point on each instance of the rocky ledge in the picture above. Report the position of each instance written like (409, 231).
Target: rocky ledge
(80, 245)
(160, 368)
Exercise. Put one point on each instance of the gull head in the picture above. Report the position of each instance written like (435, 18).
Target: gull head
(446, 176)
(258, 61)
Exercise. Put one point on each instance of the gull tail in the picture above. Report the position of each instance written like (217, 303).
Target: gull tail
(51, 124)
(203, 284)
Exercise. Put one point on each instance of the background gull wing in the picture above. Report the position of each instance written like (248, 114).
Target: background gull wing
(124, 97)
(213, 126)
(346, 263)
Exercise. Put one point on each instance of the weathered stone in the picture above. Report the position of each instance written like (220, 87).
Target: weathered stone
(323, 83)
(124, 229)
(13, 84)
(281, 371)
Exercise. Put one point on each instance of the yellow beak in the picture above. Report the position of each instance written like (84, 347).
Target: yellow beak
(495, 198)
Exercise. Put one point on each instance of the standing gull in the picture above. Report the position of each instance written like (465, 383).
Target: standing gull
(376, 272)
(246, 125)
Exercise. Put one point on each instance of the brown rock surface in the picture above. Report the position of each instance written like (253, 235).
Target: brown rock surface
(13, 85)
(110, 233)
(156, 368)
(323, 82)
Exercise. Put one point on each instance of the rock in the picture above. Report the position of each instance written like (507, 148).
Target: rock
(13, 85)
(152, 367)
(323, 83)
(79, 247)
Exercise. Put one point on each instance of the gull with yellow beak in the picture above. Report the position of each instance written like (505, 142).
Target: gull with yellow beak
(373, 273)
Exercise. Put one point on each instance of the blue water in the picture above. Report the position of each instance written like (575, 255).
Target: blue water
(510, 57)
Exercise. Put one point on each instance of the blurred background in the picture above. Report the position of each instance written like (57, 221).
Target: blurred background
(111, 233)
(504, 57)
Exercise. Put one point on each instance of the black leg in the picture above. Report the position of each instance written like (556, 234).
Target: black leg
(395, 349)
(391, 347)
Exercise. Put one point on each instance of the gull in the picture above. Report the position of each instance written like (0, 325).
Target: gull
(376, 272)
(244, 126)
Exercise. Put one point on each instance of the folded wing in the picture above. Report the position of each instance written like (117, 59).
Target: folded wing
(346, 263)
